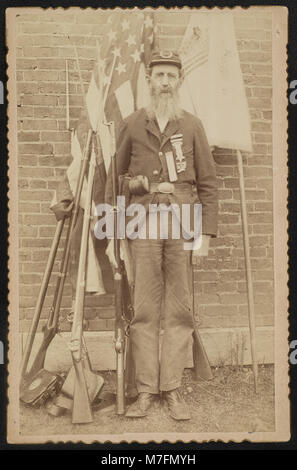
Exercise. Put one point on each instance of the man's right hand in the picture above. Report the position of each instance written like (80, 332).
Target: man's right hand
(110, 253)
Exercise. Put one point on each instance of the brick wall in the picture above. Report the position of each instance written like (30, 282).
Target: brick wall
(44, 153)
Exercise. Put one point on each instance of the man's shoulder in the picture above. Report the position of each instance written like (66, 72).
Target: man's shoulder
(136, 116)
(191, 118)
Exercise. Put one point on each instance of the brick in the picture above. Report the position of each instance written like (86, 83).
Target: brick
(36, 242)
(264, 218)
(106, 312)
(254, 195)
(52, 63)
(28, 136)
(226, 276)
(23, 184)
(37, 172)
(55, 160)
(207, 299)
(38, 219)
(40, 124)
(250, 33)
(33, 195)
(49, 112)
(266, 228)
(255, 56)
(38, 184)
(206, 276)
(39, 100)
(34, 267)
(30, 279)
(97, 324)
(258, 252)
(228, 218)
(41, 28)
(262, 103)
(29, 207)
(25, 111)
(41, 75)
(261, 137)
(261, 126)
(220, 310)
(262, 92)
(55, 136)
(99, 300)
(24, 39)
(27, 231)
(47, 231)
(257, 80)
(110, 324)
(33, 148)
(228, 229)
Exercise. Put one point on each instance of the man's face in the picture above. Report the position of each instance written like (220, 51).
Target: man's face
(164, 79)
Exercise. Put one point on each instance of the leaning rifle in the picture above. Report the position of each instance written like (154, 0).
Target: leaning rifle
(82, 412)
(36, 381)
(118, 287)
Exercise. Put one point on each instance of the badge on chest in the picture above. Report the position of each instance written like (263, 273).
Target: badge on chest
(180, 161)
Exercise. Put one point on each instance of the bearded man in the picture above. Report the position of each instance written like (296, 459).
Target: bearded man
(166, 147)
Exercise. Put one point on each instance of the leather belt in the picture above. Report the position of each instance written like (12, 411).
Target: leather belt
(168, 188)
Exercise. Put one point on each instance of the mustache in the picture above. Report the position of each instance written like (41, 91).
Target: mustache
(164, 102)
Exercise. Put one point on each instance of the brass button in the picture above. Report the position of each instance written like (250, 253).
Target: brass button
(160, 154)
(155, 172)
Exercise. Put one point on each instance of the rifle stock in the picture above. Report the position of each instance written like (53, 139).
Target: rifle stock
(39, 304)
(82, 412)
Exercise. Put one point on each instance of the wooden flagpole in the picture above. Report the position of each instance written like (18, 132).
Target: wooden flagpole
(248, 269)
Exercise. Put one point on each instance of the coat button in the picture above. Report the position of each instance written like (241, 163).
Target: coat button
(160, 154)
(155, 172)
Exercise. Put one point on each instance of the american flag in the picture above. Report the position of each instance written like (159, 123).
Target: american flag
(116, 89)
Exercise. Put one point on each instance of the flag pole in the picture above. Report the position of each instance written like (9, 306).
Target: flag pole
(248, 269)
(67, 98)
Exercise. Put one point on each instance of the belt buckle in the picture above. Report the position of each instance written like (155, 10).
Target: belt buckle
(165, 187)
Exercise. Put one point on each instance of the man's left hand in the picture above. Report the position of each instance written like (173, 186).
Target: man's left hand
(202, 251)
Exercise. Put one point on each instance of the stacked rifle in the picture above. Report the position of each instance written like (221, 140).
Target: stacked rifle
(81, 385)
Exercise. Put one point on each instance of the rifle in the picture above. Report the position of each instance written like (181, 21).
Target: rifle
(200, 360)
(85, 379)
(37, 382)
(118, 287)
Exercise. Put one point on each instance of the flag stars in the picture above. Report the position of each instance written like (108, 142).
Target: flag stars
(136, 56)
(121, 68)
(131, 40)
(117, 52)
(148, 22)
(125, 25)
(112, 35)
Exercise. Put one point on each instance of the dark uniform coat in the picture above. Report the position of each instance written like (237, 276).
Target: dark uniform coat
(141, 150)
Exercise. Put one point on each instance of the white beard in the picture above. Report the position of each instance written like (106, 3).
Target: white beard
(164, 105)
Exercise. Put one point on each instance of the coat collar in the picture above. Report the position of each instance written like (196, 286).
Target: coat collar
(171, 128)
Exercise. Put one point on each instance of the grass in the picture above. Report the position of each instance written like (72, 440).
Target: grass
(228, 403)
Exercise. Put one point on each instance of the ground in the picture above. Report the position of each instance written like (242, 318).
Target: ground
(228, 403)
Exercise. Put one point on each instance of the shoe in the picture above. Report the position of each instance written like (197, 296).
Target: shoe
(177, 407)
(141, 406)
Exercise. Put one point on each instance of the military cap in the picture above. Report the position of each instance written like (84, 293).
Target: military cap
(165, 57)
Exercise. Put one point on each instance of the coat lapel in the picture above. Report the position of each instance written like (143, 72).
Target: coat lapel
(151, 126)
(171, 129)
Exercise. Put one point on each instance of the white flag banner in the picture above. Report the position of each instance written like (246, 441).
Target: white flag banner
(213, 88)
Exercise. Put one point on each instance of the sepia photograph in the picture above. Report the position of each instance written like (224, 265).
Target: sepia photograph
(147, 225)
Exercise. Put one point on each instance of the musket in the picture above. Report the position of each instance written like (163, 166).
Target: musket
(82, 412)
(200, 360)
(118, 287)
(50, 328)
